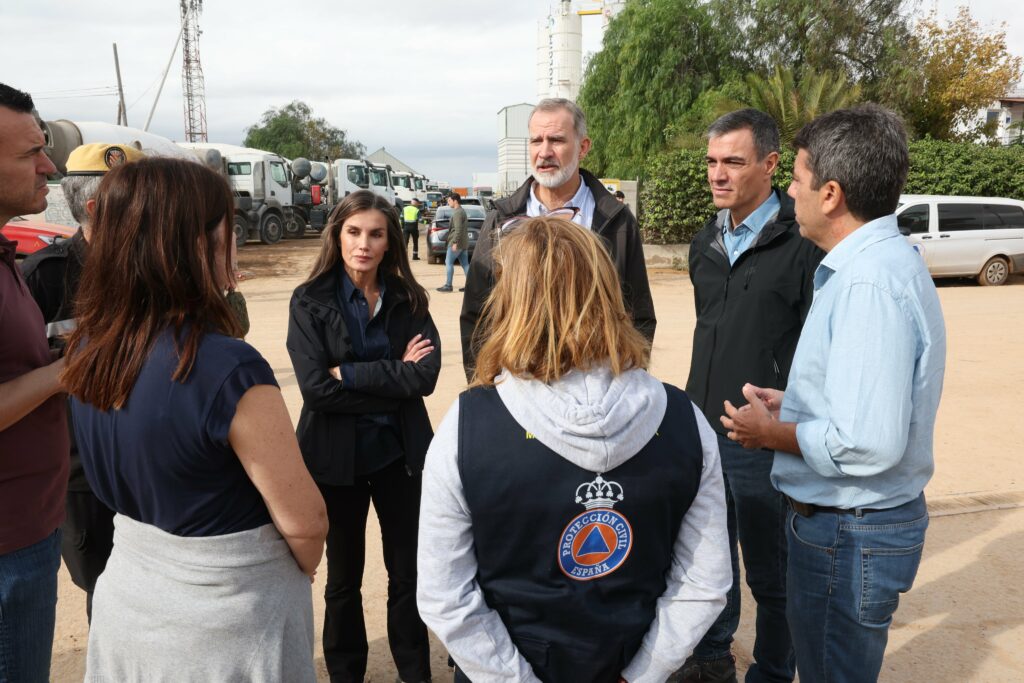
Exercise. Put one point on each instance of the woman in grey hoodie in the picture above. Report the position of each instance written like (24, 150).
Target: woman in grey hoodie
(572, 525)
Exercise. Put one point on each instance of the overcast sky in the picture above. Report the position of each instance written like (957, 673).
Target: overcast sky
(424, 79)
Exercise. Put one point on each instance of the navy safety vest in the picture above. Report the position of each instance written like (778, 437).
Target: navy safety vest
(574, 561)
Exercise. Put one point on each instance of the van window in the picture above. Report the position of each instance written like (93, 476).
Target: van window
(1003, 216)
(240, 168)
(914, 219)
(357, 176)
(957, 217)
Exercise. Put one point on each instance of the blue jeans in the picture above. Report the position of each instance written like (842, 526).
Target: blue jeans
(449, 264)
(28, 610)
(757, 519)
(846, 573)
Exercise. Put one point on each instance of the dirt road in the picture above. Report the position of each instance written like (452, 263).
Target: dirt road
(964, 619)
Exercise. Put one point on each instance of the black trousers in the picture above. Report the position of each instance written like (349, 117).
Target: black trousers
(396, 499)
(412, 232)
(87, 541)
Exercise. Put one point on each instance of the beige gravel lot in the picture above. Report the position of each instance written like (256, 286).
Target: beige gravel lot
(964, 619)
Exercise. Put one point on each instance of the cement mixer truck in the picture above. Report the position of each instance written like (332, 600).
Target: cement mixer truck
(273, 196)
(63, 136)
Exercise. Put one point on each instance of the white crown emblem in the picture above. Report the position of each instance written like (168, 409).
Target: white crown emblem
(599, 493)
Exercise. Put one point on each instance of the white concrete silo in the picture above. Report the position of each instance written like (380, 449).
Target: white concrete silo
(563, 30)
(543, 58)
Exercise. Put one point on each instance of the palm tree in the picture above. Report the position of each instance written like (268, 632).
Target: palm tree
(793, 104)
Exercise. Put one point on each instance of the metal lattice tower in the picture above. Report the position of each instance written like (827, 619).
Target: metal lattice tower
(192, 83)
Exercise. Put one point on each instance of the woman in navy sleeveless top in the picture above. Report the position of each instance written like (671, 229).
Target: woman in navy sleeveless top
(366, 352)
(573, 519)
(184, 434)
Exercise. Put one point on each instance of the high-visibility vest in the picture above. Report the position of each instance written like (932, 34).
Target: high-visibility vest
(410, 213)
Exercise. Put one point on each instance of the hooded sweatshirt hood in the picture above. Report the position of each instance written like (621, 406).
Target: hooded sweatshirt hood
(591, 418)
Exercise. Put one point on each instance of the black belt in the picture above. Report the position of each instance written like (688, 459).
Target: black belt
(808, 509)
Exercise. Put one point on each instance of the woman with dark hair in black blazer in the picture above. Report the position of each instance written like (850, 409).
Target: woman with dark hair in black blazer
(365, 353)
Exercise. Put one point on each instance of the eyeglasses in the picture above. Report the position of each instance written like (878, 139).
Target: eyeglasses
(566, 212)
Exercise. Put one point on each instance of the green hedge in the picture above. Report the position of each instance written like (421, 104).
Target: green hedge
(675, 201)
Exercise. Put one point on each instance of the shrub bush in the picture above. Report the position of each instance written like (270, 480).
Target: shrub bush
(675, 201)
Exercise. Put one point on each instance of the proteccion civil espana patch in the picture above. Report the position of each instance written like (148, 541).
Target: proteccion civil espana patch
(596, 542)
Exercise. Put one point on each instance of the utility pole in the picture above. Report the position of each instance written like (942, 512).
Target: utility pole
(192, 83)
(162, 81)
(122, 113)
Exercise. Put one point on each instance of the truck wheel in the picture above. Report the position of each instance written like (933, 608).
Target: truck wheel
(271, 229)
(294, 226)
(995, 272)
(241, 230)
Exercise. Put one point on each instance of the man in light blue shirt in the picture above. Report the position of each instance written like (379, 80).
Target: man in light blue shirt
(853, 432)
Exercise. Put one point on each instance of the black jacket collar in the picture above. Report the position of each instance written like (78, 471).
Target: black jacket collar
(606, 207)
(324, 290)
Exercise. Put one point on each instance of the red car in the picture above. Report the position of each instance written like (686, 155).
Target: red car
(32, 236)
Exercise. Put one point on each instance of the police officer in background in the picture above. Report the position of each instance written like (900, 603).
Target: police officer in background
(411, 227)
(52, 276)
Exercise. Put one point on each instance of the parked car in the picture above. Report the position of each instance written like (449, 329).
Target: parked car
(32, 236)
(438, 233)
(979, 237)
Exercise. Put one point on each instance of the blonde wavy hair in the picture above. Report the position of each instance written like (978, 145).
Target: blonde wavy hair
(557, 306)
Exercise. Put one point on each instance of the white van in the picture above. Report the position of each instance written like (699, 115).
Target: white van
(980, 237)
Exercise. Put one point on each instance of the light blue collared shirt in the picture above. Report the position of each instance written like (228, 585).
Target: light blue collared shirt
(866, 378)
(739, 239)
(583, 200)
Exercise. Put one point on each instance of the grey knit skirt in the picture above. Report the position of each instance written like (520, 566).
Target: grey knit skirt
(221, 608)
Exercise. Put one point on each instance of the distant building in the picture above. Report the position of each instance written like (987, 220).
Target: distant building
(382, 156)
(513, 152)
(1008, 115)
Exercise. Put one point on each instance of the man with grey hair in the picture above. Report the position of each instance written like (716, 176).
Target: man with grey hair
(558, 142)
(52, 276)
(752, 280)
(853, 432)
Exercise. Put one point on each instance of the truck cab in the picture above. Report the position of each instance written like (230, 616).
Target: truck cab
(419, 182)
(380, 183)
(404, 187)
(270, 201)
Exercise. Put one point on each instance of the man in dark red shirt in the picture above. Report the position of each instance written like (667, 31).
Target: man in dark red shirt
(33, 429)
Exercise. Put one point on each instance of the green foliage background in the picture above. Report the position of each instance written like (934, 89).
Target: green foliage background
(675, 200)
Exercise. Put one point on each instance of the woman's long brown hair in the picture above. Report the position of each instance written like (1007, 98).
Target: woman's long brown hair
(394, 265)
(152, 264)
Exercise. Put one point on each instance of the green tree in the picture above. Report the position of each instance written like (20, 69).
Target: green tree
(658, 56)
(865, 40)
(793, 103)
(963, 69)
(293, 131)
